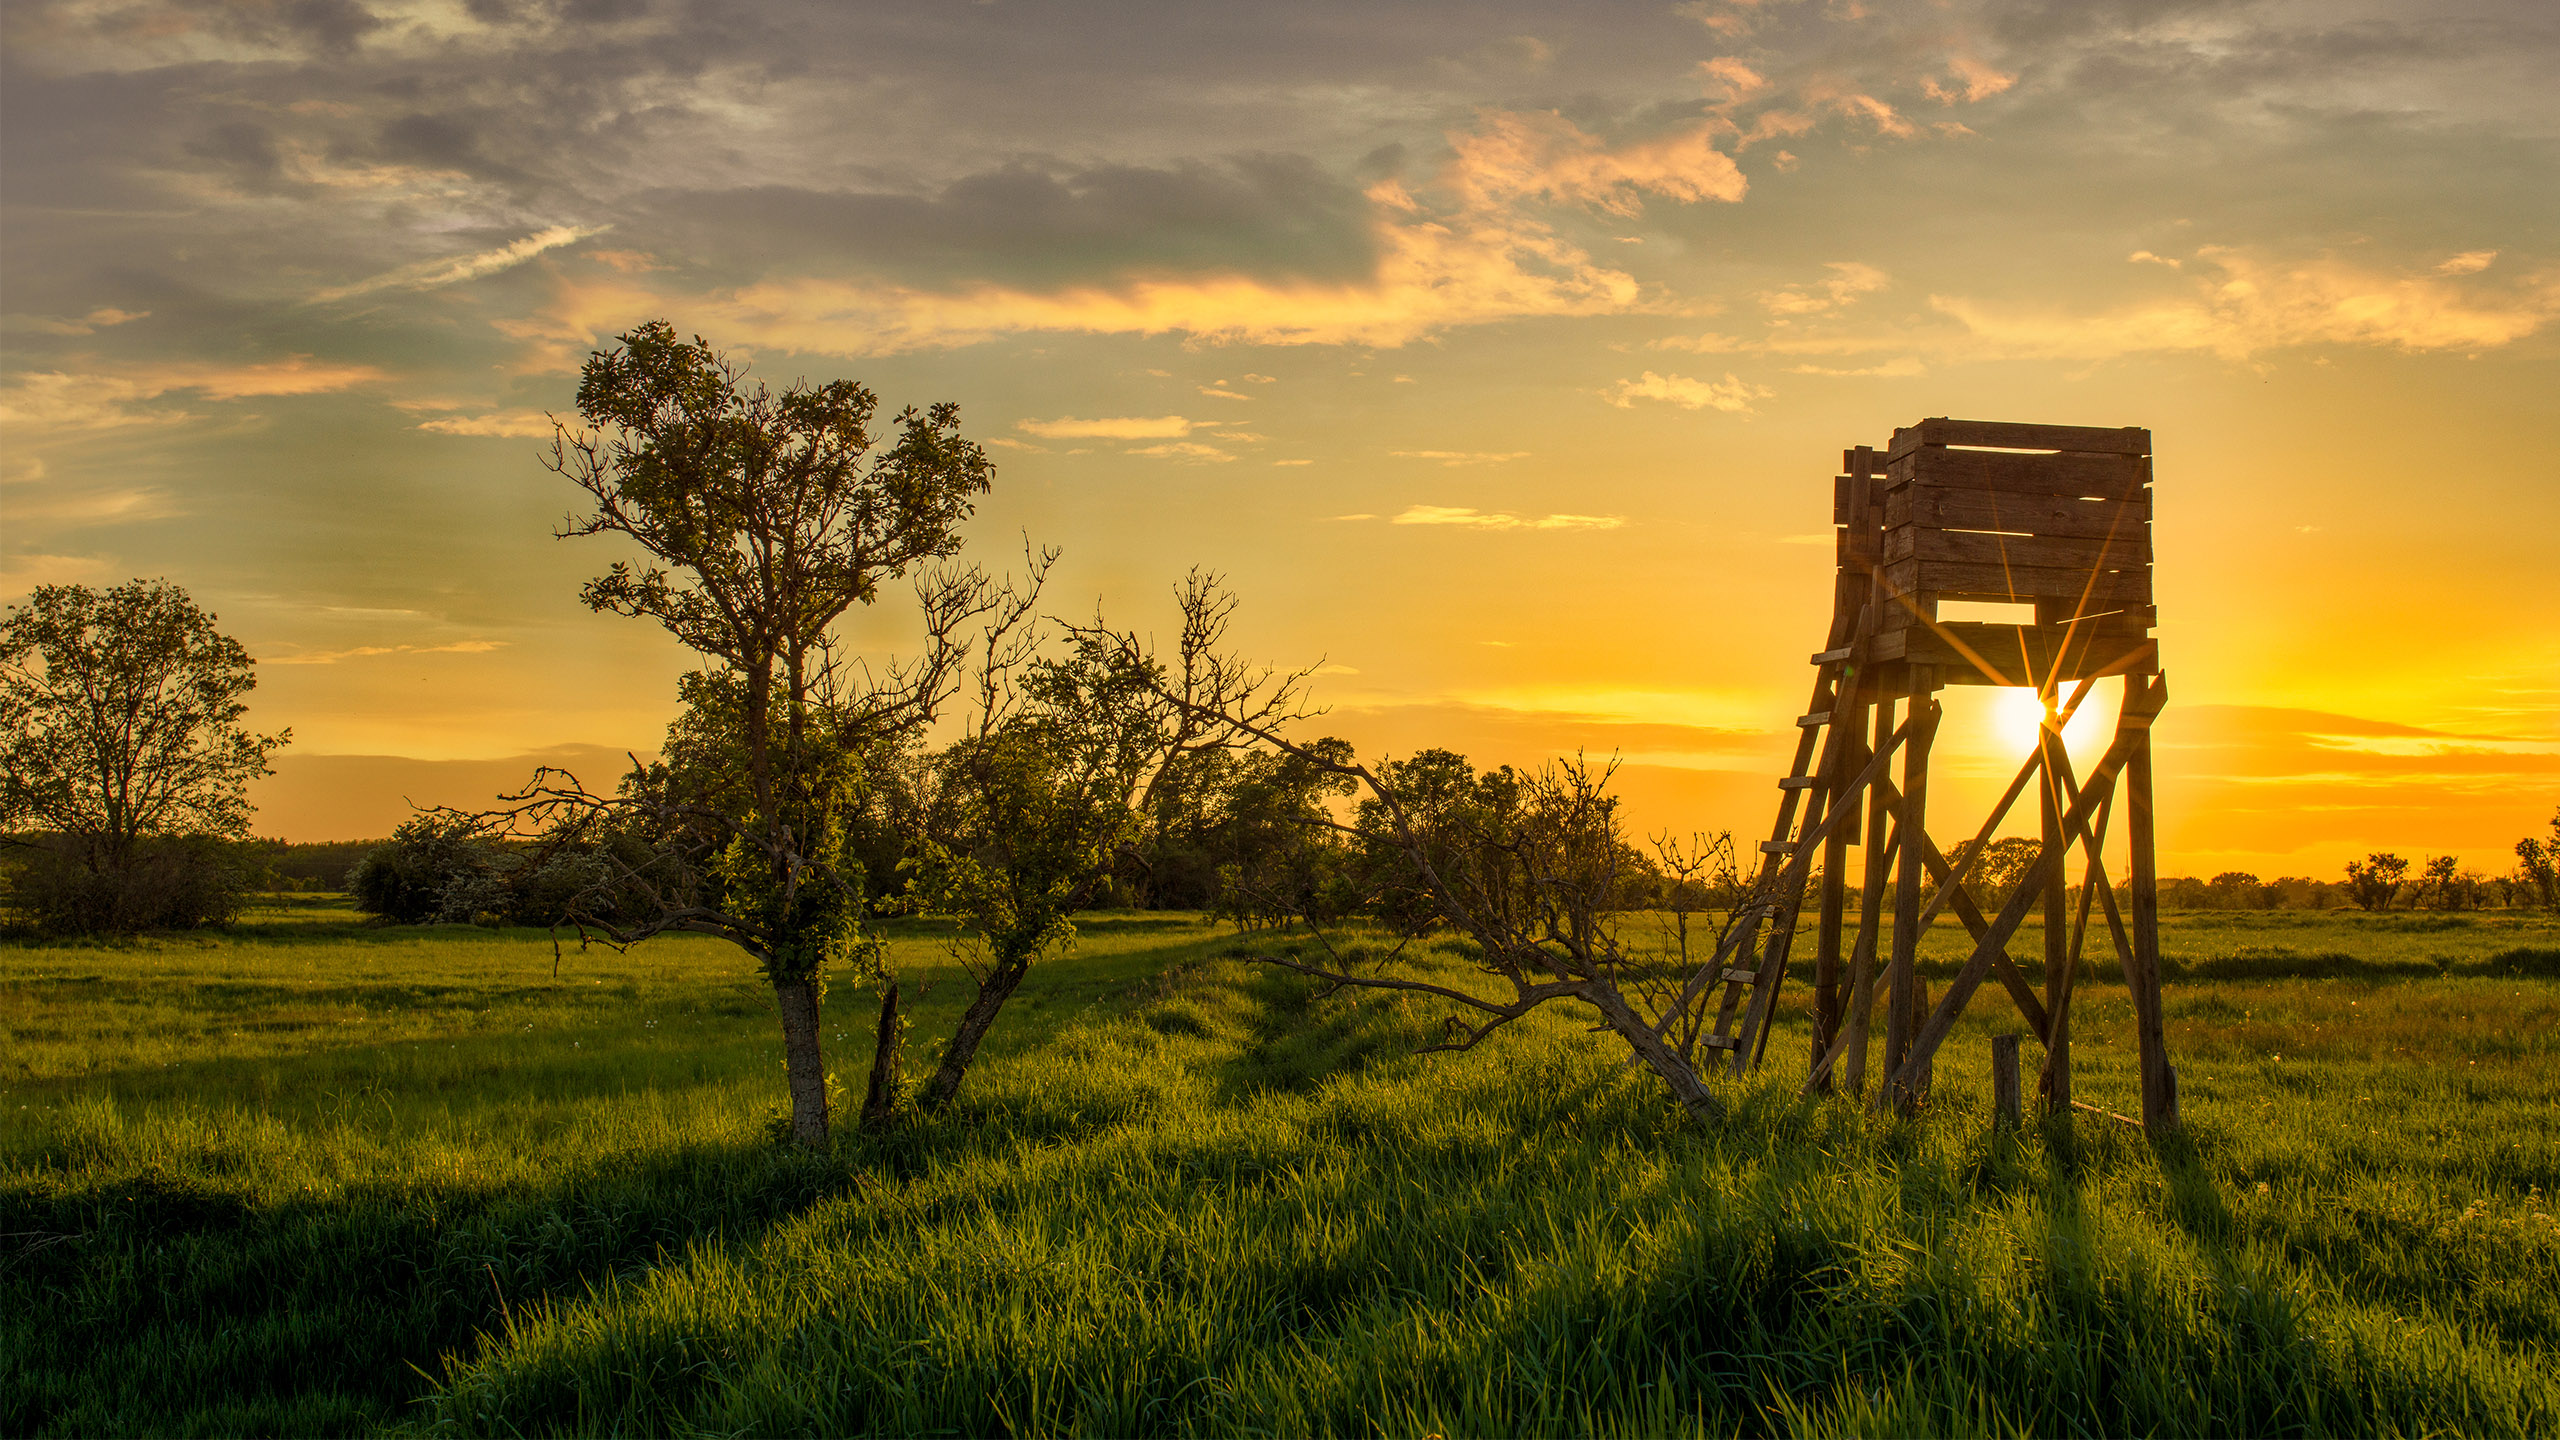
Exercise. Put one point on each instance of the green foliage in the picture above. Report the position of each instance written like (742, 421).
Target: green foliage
(2538, 867)
(120, 725)
(251, 1188)
(173, 882)
(2373, 882)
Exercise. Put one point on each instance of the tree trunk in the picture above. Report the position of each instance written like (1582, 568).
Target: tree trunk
(992, 993)
(803, 1064)
(880, 1098)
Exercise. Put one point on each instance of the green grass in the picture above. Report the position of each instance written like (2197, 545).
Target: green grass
(309, 1177)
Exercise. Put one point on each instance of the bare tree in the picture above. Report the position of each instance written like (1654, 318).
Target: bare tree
(764, 517)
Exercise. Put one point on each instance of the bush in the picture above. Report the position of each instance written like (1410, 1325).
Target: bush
(62, 887)
(434, 870)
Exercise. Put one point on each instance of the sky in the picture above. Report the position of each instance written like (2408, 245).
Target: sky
(1498, 355)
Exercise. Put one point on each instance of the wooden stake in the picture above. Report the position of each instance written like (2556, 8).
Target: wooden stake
(2004, 1079)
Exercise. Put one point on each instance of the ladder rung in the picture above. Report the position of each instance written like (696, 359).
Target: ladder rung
(1777, 847)
(1738, 976)
(1720, 1042)
(1834, 657)
(1818, 717)
(1799, 782)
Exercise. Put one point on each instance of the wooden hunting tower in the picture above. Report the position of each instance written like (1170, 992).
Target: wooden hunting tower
(2057, 517)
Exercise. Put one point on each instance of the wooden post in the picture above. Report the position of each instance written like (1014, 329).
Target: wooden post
(1902, 998)
(2004, 1079)
(2057, 952)
(1862, 959)
(1827, 998)
(2159, 1083)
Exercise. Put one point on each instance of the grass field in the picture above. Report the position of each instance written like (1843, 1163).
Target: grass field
(305, 1176)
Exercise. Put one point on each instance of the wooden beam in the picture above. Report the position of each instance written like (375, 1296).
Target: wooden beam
(2058, 969)
(2008, 435)
(2048, 552)
(2104, 477)
(2159, 1082)
(1953, 580)
(1862, 954)
(1901, 987)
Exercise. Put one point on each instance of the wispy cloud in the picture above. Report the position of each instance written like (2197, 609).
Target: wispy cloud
(361, 652)
(504, 424)
(1183, 450)
(1732, 394)
(55, 401)
(1848, 282)
(1127, 427)
(454, 269)
(1469, 517)
(1462, 457)
(105, 317)
(2253, 302)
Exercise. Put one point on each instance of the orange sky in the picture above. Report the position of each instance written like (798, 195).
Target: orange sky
(1499, 356)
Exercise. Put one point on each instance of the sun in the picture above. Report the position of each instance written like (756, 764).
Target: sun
(2016, 715)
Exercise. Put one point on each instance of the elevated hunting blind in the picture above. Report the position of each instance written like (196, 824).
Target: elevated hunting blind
(2056, 517)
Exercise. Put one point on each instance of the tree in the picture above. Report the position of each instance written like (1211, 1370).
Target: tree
(2373, 881)
(764, 517)
(2537, 876)
(120, 724)
(1049, 792)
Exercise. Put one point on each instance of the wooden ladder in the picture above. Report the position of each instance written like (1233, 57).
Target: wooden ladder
(1825, 749)
(1777, 892)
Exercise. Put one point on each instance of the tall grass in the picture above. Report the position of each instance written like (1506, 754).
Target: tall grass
(1191, 1195)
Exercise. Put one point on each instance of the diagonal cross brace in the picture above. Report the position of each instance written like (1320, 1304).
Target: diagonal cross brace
(2132, 724)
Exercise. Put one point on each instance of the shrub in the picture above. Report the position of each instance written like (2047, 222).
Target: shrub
(62, 887)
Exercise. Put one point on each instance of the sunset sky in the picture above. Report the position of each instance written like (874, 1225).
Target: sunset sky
(1500, 355)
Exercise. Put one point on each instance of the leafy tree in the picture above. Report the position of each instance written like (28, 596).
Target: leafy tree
(764, 516)
(1276, 852)
(1047, 796)
(2537, 874)
(2239, 890)
(2373, 881)
(120, 726)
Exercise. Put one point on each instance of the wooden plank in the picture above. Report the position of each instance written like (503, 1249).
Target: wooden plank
(1833, 657)
(1840, 506)
(1954, 580)
(2012, 435)
(2064, 515)
(1718, 1042)
(2042, 552)
(2018, 654)
(2107, 477)
(1797, 782)
(1818, 717)
(1862, 460)
(1741, 977)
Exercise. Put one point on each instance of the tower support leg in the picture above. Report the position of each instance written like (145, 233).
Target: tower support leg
(1902, 1004)
(2058, 966)
(2159, 1082)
